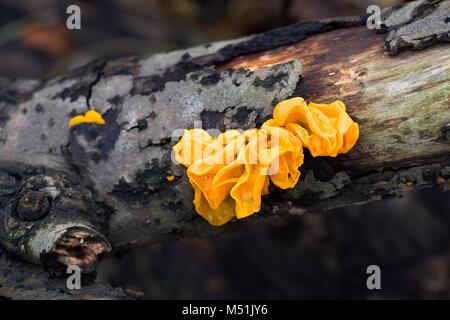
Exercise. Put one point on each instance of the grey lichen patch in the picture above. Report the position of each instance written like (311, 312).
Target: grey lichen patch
(417, 25)
(181, 105)
(13, 93)
(22, 135)
(112, 87)
(48, 113)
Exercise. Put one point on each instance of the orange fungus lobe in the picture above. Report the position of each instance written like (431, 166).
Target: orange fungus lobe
(231, 172)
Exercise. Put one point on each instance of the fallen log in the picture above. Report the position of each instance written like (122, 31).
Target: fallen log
(68, 195)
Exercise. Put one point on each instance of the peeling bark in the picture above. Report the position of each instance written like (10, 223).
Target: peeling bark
(417, 25)
(107, 184)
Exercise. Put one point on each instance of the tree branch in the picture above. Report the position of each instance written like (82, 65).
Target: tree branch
(107, 184)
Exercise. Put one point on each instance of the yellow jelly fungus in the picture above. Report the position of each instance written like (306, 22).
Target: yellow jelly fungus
(230, 173)
(170, 178)
(90, 116)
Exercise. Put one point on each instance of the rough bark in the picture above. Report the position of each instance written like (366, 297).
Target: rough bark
(23, 281)
(107, 184)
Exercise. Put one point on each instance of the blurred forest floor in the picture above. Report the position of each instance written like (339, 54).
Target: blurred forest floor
(312, 256)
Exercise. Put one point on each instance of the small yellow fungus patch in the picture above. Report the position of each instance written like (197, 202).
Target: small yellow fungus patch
(170, 178)
(90, 116)
(230, 173)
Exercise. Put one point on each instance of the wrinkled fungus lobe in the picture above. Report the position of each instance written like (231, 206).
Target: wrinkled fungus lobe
(231, 172)
(90, 116)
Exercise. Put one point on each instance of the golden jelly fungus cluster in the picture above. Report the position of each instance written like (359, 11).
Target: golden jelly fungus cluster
(90, 116)
(231, 172)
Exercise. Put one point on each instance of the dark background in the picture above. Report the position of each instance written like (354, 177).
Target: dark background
(313, 256)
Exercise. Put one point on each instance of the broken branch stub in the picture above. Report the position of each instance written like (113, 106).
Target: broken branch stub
(48, 220)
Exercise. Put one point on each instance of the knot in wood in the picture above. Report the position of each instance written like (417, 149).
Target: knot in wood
(33, 205)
